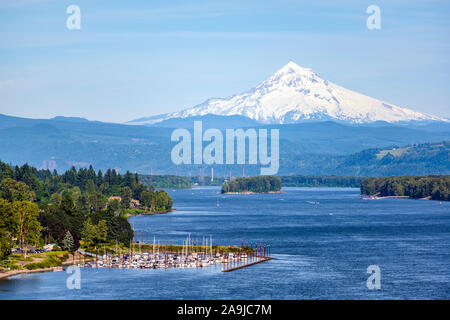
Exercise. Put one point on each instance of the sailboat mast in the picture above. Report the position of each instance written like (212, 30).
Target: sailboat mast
(210, 244)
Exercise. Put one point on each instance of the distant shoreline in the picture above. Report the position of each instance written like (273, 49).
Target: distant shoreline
(252, 192)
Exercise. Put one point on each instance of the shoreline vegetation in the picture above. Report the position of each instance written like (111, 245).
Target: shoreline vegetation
(41, 210)
(435, 187)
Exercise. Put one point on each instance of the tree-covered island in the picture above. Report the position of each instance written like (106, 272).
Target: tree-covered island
(260, 184)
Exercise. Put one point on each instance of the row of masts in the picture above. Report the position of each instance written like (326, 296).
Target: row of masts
(189, 245)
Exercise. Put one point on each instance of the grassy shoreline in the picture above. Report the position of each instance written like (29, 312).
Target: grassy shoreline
(41, 262)
(10, 273)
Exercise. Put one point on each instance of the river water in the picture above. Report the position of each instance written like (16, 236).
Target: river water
(317, 255)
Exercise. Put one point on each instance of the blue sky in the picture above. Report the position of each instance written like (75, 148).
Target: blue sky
(139, 58)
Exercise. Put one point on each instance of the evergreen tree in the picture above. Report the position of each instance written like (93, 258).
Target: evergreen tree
(67, 242)
(89, 232)
(125, 194)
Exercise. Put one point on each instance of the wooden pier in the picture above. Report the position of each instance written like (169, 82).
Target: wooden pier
(263, 259)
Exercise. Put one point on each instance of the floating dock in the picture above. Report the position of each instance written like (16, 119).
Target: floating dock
(263, 259)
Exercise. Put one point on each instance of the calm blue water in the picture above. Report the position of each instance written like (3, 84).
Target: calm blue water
(318, 256)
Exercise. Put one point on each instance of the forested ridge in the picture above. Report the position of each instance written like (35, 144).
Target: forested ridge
(326, 148)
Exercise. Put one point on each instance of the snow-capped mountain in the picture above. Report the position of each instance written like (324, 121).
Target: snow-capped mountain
(295, 94)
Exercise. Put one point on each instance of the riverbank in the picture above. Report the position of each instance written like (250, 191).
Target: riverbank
(10, 273)
(69, 261)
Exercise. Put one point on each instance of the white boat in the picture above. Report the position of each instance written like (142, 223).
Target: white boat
(205, 263)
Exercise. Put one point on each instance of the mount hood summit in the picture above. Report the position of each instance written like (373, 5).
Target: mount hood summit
(295, 94)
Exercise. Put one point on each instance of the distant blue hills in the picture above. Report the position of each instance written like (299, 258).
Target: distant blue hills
(305, 148)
